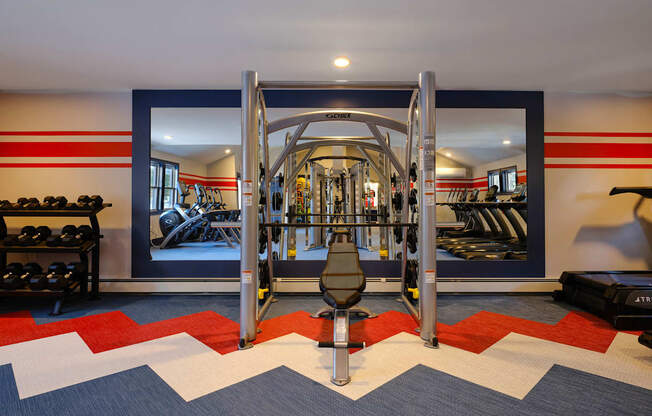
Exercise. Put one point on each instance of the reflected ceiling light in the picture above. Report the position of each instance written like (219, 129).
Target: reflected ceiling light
(227, 151)
(341, 62)
(448, 154)
(167, 137)
(507, 141)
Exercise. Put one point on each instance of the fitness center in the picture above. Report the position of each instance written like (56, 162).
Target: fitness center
(434, 208)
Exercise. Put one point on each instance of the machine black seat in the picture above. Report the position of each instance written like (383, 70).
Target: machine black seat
(342, 280)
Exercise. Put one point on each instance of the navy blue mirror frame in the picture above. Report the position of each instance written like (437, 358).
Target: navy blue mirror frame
(144, 100)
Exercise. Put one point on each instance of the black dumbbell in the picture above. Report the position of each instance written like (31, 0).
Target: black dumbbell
(67, 234)
(277, 201)
(276, 233)
(413, 172)
(74, 272)
(398, 234)
(89, 202)
(51, 202)
(5, 204)
(411, 239)
(11, 272)
(397, 201)
(31, 203)
(262, 240)
(41, 234)
(412, 198)
(41, 281)
(19, 203)
(29, 271)
(81, 234)
(25, 234)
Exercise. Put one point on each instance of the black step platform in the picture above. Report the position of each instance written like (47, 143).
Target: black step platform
(624, 298)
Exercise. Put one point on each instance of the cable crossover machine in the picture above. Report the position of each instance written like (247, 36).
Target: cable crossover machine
(420, 127)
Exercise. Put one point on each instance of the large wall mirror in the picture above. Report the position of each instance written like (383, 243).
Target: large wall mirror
(489, 176)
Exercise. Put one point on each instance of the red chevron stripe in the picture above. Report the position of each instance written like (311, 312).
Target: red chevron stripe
(112, 330)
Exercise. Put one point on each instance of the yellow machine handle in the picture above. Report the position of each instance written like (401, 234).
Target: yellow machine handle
(414, 291)
(261, 293)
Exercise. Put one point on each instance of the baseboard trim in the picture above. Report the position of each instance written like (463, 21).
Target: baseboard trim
(311, 285)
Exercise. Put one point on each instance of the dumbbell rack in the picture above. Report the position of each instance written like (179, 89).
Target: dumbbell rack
(89, 246)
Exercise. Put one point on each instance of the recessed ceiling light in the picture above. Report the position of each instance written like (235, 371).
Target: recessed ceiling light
(341, 62)
(167, 137)
(227, 151)
(506, 141)
(448, 154)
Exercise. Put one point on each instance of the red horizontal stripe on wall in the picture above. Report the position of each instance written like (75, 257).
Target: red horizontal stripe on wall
(598, 166)
(65, 165)
(207, 177)
(612, 150)
(65, 133)
(65, 149)
(594, 134)
(453, 185)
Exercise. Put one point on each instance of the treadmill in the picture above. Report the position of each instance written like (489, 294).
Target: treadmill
(624, 298)
(503, 243)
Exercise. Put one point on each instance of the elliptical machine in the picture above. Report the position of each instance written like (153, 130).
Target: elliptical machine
(183, 222)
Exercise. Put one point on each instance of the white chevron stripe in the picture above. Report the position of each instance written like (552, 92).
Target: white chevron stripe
(512, 366)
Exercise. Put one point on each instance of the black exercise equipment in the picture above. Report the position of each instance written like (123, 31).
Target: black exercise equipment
(277, 201)
(413, 172)
(67, 234)
(624, 298)
(89, 202)
(276, 233)
(25, 233)
(262, 240)
(29, 271)
(10, 275)
(342, 283)
(41, 281)
(412, 198)
(411, 288)
(411, 238)
(51, 202)
(40, 234)
(646, 339)
(397, 201)
(74, 272)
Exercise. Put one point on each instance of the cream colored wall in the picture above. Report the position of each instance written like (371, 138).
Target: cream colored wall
(225, 168)
(72, 112)
(585, 227)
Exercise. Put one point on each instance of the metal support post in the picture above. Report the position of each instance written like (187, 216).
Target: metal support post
(249, 212)
(427, 203)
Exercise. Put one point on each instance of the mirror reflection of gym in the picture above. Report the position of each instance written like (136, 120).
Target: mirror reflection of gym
(481, 186)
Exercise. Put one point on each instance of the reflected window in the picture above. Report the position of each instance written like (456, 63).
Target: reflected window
(505, 179)
(163, 177)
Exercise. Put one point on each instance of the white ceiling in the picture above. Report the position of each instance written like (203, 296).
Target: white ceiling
(472, 136)
(472, 44)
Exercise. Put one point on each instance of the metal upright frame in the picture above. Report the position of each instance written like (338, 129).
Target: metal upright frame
(254, 116)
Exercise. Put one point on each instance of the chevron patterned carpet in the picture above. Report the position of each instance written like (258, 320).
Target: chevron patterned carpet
(172, 355)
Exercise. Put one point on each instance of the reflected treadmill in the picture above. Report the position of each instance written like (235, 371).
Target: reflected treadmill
(624, 298)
